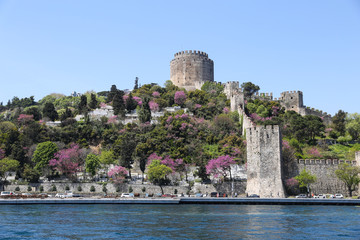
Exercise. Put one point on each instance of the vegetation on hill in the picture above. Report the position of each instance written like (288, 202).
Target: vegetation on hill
(207, 135)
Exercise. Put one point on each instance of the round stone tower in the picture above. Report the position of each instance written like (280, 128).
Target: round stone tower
(190, 69)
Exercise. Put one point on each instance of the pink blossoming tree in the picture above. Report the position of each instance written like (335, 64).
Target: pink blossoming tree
(67, 161)
(118, 174)
(220, 167)
(154, 107)
(180, 97)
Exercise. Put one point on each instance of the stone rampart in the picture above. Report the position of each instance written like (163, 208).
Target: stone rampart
(324, 170)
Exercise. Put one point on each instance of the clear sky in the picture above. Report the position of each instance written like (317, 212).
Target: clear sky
(281, 45)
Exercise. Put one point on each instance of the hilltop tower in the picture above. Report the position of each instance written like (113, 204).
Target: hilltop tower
(292, 100)
(190, 69)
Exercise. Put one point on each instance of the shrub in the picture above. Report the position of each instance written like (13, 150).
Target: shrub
(130, 189)
(175, 191)
(104, 189)
(41, 188)
(92, 189)
(67, 188)
(143, 189)
(29, 188)
(117, 189)
(53, 188)
(17, 189)
(79, 188)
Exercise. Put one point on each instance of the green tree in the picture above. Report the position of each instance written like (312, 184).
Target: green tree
(249, 89)
(67, 114)
(7, 165)
(107, 157)
(118, 104)
(124, 148)
(349, 175)
(30, 174)
(144, 111)
(93, 101)
(157, 173)
(50, 112)
(34, 110)
(111, 94)
(92, 162)
(305, 179)
(82, 107)
(130, 103)
(142, 152)
(314, 127)
(44, 152)
(353, 125)
(338, 122)
(136, 86)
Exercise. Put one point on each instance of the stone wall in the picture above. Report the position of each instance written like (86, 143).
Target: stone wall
(264, 161)
(227, 187)
(190, 69)
(324, 170)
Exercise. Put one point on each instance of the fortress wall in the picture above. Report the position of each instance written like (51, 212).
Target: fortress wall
(324, 170)
(264, 176)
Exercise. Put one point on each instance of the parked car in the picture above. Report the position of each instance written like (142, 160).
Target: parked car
(60, 195)
(7, 193)
(168, 195)
(198, 195)
(127, 195)
(213, 194)
(320, 196)
(253, 196)
(301, 196)
(339, 195)
(68, 194)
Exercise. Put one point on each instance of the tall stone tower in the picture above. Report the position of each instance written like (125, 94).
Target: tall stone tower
(190, 69)
(264, 160)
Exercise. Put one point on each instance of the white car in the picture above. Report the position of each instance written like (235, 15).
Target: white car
(60, 195)
(339, 195)
(6, 193)
(127, 195)
(69, 194)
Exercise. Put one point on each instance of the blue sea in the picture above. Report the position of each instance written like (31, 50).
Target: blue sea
(178, 222)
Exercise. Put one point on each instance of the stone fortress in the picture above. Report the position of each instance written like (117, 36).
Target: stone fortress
(190, 69)
(266, 171)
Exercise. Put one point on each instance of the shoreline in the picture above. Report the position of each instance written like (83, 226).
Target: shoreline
(178, 201)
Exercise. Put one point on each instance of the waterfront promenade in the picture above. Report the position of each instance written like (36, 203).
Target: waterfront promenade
(184, 200)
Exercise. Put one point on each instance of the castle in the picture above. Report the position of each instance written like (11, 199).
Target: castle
(266, 172)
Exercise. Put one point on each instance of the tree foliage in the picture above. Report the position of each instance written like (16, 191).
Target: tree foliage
(157, 173)
(305, 179)
(349, 175)
(44, 152)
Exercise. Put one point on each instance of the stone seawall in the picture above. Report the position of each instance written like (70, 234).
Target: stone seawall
(227, 187)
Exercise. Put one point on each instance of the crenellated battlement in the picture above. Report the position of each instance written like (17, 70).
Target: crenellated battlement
(325, 161)
(191, 52)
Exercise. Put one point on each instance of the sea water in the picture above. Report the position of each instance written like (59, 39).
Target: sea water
(178, 222)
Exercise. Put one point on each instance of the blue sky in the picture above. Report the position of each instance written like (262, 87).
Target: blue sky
(64, 46)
